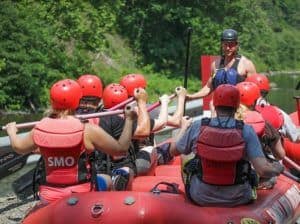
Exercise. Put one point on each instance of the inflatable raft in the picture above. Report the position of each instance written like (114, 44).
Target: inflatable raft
(161, 199)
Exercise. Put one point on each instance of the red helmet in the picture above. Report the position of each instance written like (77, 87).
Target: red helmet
(256, 120)
(226, 95)
(271, 114)
(65, 94)
(114, 94)
(91, 85)
(260, 80)
(132, 81)
(249, 93)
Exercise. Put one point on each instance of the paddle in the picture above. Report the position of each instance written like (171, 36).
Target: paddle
(298, 86)
(109, 112)
(82, 116)
(291, 176)
(291, 163)
(120, 105)
(187, 60)
(156, 104)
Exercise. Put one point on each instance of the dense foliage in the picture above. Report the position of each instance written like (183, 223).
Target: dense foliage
(44, 41)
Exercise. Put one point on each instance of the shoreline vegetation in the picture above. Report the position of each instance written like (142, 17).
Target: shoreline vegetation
(46, 41)
(272, 73)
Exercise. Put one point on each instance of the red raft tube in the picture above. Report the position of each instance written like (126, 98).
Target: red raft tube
(166, 203)
(293, 149)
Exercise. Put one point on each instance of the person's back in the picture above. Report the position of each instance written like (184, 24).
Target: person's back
(222, 182)
(220, 173)
(265, 129)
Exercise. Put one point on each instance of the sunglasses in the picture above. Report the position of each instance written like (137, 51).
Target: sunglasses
(229, 44)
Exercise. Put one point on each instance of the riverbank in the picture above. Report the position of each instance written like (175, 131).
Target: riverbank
(13, 210)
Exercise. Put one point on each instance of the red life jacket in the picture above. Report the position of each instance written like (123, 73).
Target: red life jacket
(255, 119)
(62, 148)
(221, 151)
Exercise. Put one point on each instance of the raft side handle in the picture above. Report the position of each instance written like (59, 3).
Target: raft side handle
(171, 188)
(97, 210)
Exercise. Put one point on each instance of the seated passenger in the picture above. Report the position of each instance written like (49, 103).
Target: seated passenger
(220, 174)
(65, 142)
(268, 135)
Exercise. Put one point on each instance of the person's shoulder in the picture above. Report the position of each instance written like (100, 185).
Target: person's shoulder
(246, 61)
(244, 58)
(248, 130)
(90, 128)
(195, 126)
(247, 65)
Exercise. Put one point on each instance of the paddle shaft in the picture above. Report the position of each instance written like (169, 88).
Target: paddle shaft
(291, 163)
(93, 115)
(120, 105)
(291, 176)
(81, 116)
(154, 105)
(187, 59)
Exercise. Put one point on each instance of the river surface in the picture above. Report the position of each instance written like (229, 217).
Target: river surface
(283, 90)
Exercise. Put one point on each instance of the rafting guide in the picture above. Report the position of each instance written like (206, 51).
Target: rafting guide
(229, 68)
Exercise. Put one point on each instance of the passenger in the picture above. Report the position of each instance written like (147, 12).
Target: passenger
(147, 156)
(132, 81)
(229, 68)
(269, 136)
(92, 91)
(144, 153)
(64, 143)
(123, 168)
(220, 173)
(288, 128)
(271, 140)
